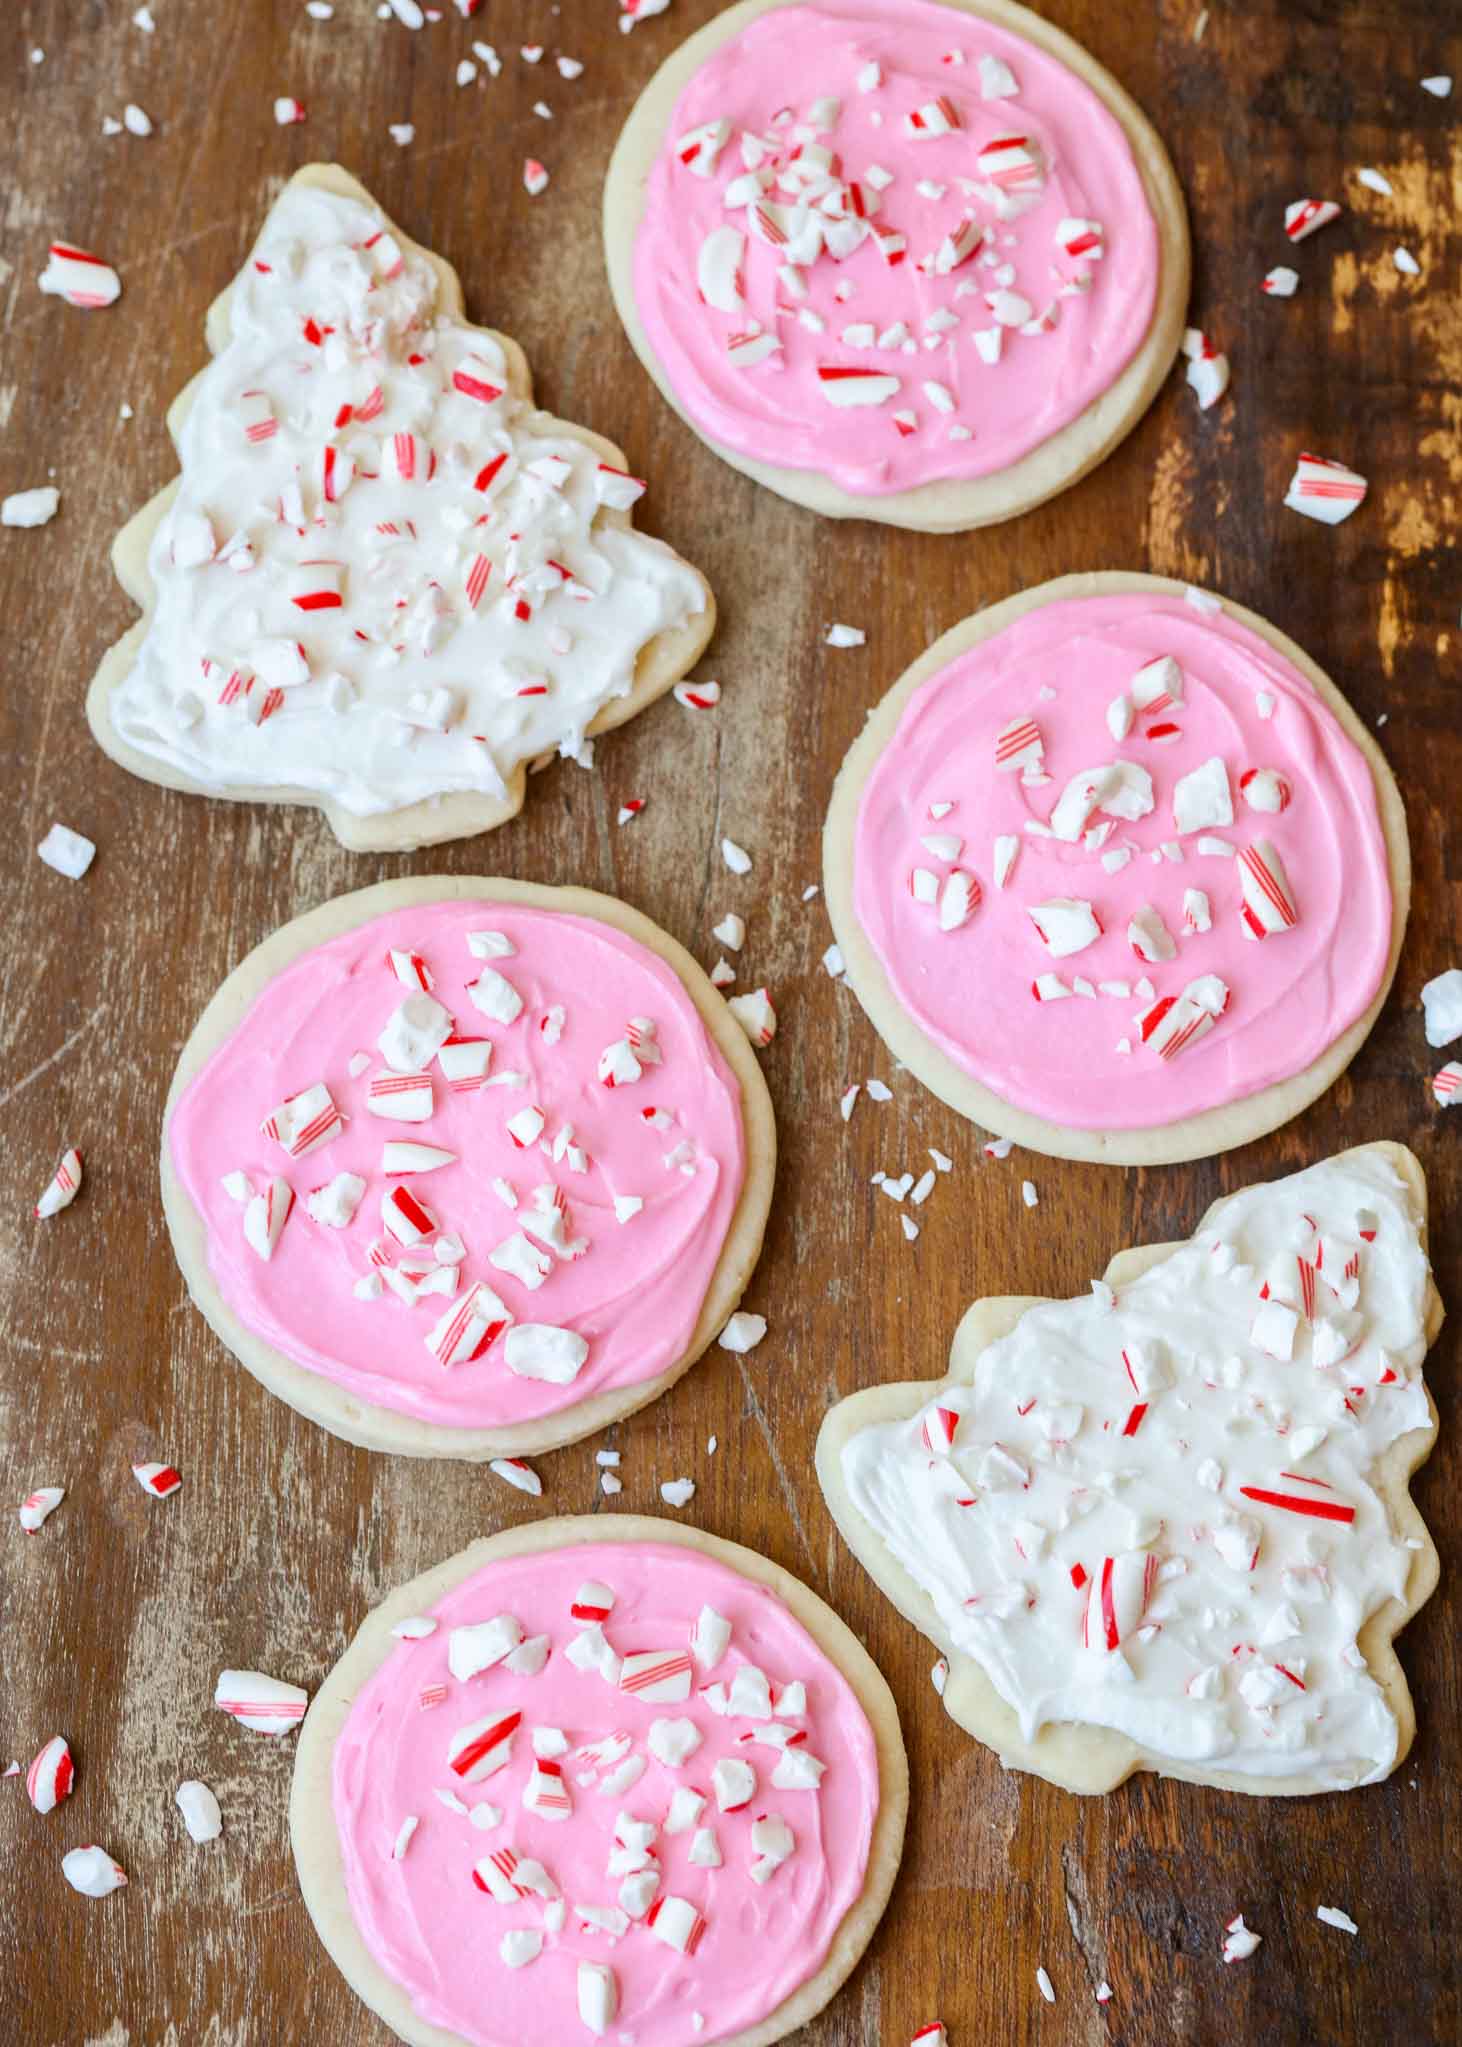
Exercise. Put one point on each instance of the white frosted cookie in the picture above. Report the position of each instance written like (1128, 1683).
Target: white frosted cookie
(659, 1794)
(384, 583)
(1167, 1526)
(467, 1168)
(919, 261)
(1117, 871)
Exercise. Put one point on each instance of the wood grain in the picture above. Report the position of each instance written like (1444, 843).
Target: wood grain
(119, 1614)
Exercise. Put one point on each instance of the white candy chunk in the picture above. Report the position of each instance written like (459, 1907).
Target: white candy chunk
(495, 996)
(1331, 1915)
(30, 507)
(481, 1645)
(538, 1350)
(736, 857)
(1149, 937)
(490, 945)
(734, 1783)
(68, 852)
(1119, 717)
(1441, 999)
(743, 1332)
(772, 1841)
(673, 1742)
(266, 1704)
(685, 1808)
(846, 635)
(1273, 1330)
(529, 1657)
(598, 1992)
(678, 1492)
(1197, 911)
(755, 1015)
(1007, 846)
(798, 1771)
(709, 1638)
(1202, 799)
(718, 269)
(1119, 789)
(416, 1032)
(1066, 925)
(520, 1947)
(1158, 684)
(705, 1849)
(335, 1204)
(92, 1871)
(199, 1808)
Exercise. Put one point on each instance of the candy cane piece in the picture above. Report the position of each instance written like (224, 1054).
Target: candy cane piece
(1324, 490)
(201, 1816)
(496, 996)
(1269, 903)
(755, 1015)
(1149, 937)
(844, 387)
(699, 147)
(39, 1506)
(1065, 925)
(734, 1783)
(718, 269)
(1081, 240)
(316, 586)
(400, 1097)
(1174, 1022)
(266, 1704)
(483, 1747)
(80, 278)
(1305, 217)
(464, 1062)
(470, 1327)
(51, 1775)
(661, 1677)
(161, 1480)
(92, 1871)
(62, 1188)
(597, 1986)
(265, 1217)
(1117, 1599)
(959, 898)
(475, 378)
(1281, 282)
(1296, 1503)
(1019, 746)
(1446, 1085)
(304, 1122)
(546, 1792)
(936, 117)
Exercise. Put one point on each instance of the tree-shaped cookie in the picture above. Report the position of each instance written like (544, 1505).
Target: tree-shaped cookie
(384, 583)
(1166, 1526)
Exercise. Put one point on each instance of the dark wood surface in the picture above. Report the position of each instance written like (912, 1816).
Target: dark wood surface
(118, 1615)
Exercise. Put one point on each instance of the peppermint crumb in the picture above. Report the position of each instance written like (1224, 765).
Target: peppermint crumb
(736, 857)
(846, 1101)
(1333, 1916)
(678, 1492)
(1028, 1193)
(844, 636)
(1043, 1984)
(609, 1484)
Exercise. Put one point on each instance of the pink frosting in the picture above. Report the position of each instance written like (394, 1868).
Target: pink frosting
(437, 1935)
(636, 1292)
(1292, 993)
(775, 410)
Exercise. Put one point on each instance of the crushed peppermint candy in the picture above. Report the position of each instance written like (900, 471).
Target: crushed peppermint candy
(678, 1492)
(30, 508)
(844, 636)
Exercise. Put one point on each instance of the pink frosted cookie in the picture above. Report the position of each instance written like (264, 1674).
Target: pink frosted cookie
(1166, 1525)
(605, 1777)
(467, 1168)
(921, 261)
(1118, 872)
(385, 583)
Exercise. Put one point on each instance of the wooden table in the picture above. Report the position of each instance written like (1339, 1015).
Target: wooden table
(120, 1613)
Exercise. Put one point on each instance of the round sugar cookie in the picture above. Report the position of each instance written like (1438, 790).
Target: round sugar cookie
(918, 261)
(385, 583)
(1118, 872)
(654, 1727)
(467, 1168)
(1131, 1522)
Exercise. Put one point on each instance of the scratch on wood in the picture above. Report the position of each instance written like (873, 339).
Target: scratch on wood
(59, 1054)
(789, 1491)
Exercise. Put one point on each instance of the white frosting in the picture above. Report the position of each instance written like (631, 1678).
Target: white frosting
(1039, 1477)
(411, 693)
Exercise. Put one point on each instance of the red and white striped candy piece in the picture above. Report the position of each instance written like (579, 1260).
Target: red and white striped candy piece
(755, 1015)
(464, 1063)
(405, 1217)
(404, 1157)
(753, 346)
(1324, 490)
(1019, 747)
(677, 1922)
(304, 1122)
(1265, 789)
(411, 970)
(1446, 1085)
(404, 452)
(476, 378)
(62, 1188)
(1208, 368)
(932, 2035)
(256, 416)
(593, 1602)
(78, 277)
(316, 586)
(470, 1327)
(1149, 937)
(698, 696)
(514, 1472)
(936, 117)
(546, 1793)
(508, 1877)
(266, 1704)
(843, 386)
(400, 1097)
(265, 1217)
(1117, 1598)
(1304, 217)
(718, 269)
(39, 1506)
(959, 898)
(1281, 282)
(535, 177)
(335, 475)
(1158, 684)
(482, 1747)
(1066, 925)
(92, 1871)
(661, 1677)
(616, 488)
(1011, 169)
(1309, 1506)
(1269, 903)
(1081, 240)
(957, 247)
(1173, 1022)
(596, 1985)
(51, 1775)
(699, 147)
(161, 1480)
